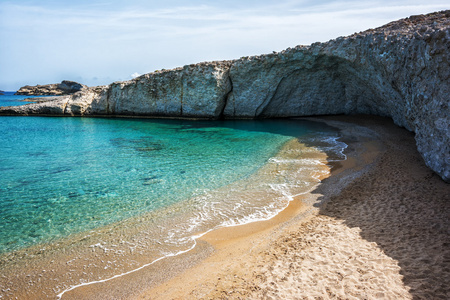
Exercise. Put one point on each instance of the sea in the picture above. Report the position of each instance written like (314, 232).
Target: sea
(141, 190)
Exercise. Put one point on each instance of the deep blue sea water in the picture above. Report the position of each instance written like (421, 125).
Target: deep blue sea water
(60, 176)
(9, 99)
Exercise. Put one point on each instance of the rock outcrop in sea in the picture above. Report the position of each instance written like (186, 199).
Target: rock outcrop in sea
(66, 87)
(400, 70)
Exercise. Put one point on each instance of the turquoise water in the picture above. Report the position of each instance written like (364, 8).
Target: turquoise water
(62, 176)
(66, 175)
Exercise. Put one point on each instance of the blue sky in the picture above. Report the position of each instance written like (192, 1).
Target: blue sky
(97, 42)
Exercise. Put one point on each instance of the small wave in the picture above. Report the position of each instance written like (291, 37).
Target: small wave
(259, 197)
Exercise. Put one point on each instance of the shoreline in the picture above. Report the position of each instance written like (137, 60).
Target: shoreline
(381, 232)
(213, 247)
(50, 271)
(247, 241)
(246, 261)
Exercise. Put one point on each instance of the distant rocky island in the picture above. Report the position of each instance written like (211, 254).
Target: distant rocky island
(400, 70)
(2, 92)
(66, 87)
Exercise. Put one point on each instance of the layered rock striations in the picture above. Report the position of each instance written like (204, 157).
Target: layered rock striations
(66, 87)
(400, 70)
(198, 90)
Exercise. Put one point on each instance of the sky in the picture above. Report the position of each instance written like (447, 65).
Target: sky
(97, 42)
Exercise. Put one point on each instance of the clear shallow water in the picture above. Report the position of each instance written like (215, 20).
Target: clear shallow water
(66, 175)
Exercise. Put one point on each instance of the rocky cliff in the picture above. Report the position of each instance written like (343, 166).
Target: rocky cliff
(66, 87)
(400, 70)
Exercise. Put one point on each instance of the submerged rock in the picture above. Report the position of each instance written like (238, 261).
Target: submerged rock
(64, 88)
(400, 70)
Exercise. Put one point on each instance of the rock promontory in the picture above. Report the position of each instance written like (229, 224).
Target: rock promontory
(66, 87)
(400, 70)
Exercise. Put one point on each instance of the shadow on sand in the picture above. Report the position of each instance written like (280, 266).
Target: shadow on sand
(404, 208)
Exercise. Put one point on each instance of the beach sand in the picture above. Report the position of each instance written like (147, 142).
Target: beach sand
(379, 229)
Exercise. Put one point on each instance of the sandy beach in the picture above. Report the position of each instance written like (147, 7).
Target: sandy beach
(376, 228)
(384, 235)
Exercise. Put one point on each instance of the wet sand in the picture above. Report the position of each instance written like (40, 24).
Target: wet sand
(89, 264)
(379, 228)
(376, 228)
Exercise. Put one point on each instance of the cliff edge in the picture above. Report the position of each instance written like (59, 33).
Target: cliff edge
(400, 70)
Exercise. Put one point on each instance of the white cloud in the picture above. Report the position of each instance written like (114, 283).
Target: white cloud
(135, 74)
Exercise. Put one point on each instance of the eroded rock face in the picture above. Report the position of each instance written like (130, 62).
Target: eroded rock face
(66, 87)
(400, 70)
(198, 90)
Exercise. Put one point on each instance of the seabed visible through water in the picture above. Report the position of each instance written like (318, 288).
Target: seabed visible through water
(119, 194)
